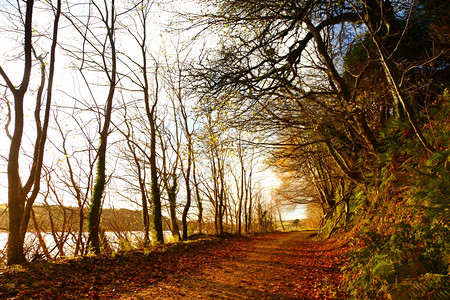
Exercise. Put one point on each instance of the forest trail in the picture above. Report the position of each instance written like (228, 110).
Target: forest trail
(273, 266)
(290, 265)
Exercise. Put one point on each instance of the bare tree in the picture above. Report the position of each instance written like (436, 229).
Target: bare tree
(21, 197)
(215, 149)
(139, 75)
(108, 19)
(77, 177)
(180, 94)
(136, 154)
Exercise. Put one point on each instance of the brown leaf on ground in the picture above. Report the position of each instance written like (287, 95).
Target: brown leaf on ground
(270, 266)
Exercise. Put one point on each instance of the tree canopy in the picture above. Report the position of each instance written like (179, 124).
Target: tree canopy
(347, 99)
(350, 92)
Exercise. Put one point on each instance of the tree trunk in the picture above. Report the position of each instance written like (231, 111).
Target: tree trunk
(372, 21)
(188, 186)
(19, 203)
(242, 183)
(145, 220)
(156, 194)
(281, 221)
(100, 181)
(172, 195)
(250, 204)
(97, 196)
(79, 248)
(391, 75)
(39, 236)
(143, 189)
(186, 207)
(197, 198)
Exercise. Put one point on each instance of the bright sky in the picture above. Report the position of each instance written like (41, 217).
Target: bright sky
(66, 81)
(298, 213)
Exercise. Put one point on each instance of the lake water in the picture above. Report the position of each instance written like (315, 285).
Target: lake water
(116, 240)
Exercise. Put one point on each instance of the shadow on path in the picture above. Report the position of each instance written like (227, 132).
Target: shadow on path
(273, 266)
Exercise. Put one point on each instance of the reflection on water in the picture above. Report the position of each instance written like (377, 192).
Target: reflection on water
(123, 240)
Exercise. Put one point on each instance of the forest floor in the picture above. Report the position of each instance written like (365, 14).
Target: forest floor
(291, 265)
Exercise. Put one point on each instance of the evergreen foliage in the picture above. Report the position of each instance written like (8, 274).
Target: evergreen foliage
(400, 229)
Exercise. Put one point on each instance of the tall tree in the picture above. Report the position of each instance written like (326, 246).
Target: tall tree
(330, 73)
(136, 154)
(139, 74)
(108, 19)
(21, 197)
(168, 174)
(215, 150)
(180, 96)
(77, 176)
(150, 109)
(381, 23)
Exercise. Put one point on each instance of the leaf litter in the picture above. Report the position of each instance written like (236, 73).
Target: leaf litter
(267, 266)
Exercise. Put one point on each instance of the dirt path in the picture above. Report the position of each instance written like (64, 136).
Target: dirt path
(275, 266)
(269, 266)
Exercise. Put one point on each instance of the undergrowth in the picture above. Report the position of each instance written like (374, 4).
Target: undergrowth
(398, 227)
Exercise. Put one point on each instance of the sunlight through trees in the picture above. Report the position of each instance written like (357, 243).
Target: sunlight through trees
(173, 119)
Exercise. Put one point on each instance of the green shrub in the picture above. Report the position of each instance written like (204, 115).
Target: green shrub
(400, 217)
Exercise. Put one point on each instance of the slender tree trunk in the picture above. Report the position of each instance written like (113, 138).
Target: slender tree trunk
(215, 199)
(79, 249)
(393, 77)
(16, 198)
(145, 212)
(221, 195)
(242, 183)
(390, 70)
(186, 207)
(143, 189)
(172, 195)
(250, 201)
(281, 221)
(187, 178)
(156, 194)
(145, 219)
(239, 215)
(250, 207)
(39, 236)
(245, 213)
(100, 180)
(197, 198)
